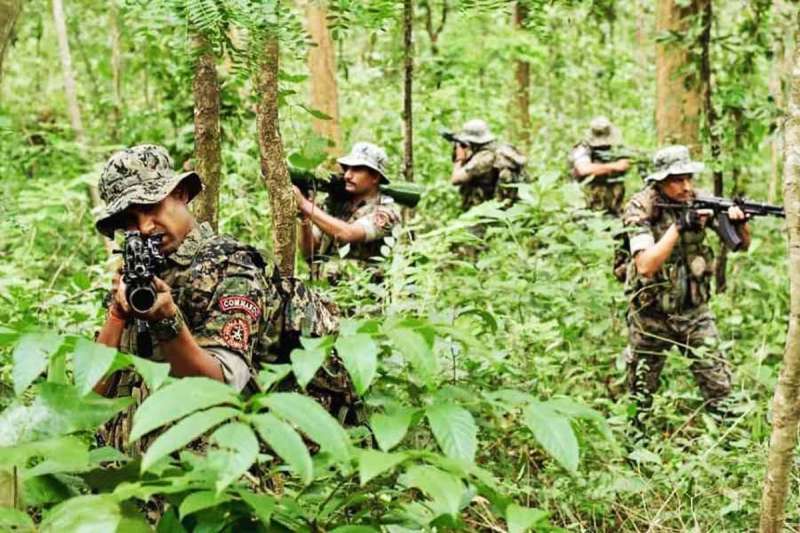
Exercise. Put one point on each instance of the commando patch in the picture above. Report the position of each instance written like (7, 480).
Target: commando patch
(230, 304)
(236, 333)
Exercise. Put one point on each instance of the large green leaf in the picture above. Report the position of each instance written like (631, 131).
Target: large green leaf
(389, 428)
(31, 356)
(454, 429)
(90, 362)
(197, 501)
(285, 442)
(372, 463)
(261, 504)
(445, 490)
(178, 399)
(153, 373)
(417, 351)
(62, 454)
(574, 409)
(84, 514)
(184, 432)
(553, 431)
(236, 450)
(305, 364)
(359, 355)
(522, 519)
(313, 420)
(16, 521)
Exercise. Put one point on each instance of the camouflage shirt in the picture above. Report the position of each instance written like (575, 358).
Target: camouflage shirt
(231, 309)
(481, 176)
(582, 152)
(378, 216)
(684, 280)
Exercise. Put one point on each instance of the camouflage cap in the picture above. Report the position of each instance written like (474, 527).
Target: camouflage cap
(602, 132)
(139, 175)
(673, 160)
(474, 131)
(368, 155)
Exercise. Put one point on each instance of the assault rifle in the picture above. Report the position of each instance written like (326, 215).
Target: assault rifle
(404, 193)
(638, 158)
(142, 259)
(720, 206)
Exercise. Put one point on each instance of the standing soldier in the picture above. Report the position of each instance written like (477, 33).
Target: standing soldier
(603, 179)
(215, 312)
(483, 168)
(359, 220)
(669, 282)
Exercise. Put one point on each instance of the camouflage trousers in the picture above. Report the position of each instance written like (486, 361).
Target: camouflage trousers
(652, 334)
(606, 197)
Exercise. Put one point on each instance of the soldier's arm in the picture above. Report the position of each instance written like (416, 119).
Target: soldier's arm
(338, 229)
(584, 168)
(478, 164)
(649, 256)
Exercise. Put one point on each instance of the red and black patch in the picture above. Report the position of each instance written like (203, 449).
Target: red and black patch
(236, 333)
(231, 304)
(382, 220)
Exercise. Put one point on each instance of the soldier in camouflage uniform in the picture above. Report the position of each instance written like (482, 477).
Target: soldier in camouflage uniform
(603, 182)
(362, 219)
(669, 282)
(216, 314)
(484, 169)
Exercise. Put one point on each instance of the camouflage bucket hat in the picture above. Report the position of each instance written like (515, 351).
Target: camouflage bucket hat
(602, 132)
(367, 155)
(475, 131)
(139, 175)
(673, 160)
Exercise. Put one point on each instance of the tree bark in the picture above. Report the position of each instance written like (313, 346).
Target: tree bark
(785, 404)
(116, 69)
(322, 65)
(778, 74)
(522, 76)
(408, 85)
(9, 12)
(678, 87)
(207, 146)
(71, 91)
(273, 161)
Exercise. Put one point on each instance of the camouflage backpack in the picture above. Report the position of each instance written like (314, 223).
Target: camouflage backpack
(509, 163)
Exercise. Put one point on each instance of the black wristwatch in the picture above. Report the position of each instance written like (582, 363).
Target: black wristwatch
(167, 329)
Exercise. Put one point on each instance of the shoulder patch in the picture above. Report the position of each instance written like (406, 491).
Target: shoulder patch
(231, 304)
(236, 333)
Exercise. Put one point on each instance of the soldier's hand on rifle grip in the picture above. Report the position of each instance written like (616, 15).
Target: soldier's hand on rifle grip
(621, 165)
(736, 214)
(692, 219)
(119, 303)
(164, 307)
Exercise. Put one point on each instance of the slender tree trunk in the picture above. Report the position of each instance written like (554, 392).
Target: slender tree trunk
(779, 73)
(786, 401)
(322, 65)
(273, 162)
(71, 91)
(116, 69)
(408, 85)
(434, 32)
(678, 87)
(9, 12)
(522, 76)
(207, 147)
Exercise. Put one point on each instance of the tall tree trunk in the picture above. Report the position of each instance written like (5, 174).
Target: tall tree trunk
(273, 161)
(322, 65)
(522, 76)
(778, 74)
(207, 147)
(116, 69)
(71, 91)
(408, 85)
(786, 401)
(9, 12)
(707, 20)
(678, 87)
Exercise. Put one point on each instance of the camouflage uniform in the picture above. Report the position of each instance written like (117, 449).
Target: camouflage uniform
(491, 170)
(603, 193)
(234, 311)
(378, 216)
(670, 308)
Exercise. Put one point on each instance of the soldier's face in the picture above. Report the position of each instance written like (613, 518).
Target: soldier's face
(360, 180)
(678, 187)
(169, 217)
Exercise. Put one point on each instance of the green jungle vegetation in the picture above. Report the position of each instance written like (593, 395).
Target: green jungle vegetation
(494, 385)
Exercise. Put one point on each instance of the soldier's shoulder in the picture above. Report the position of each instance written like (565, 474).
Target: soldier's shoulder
(224, 249)
(641, 205)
